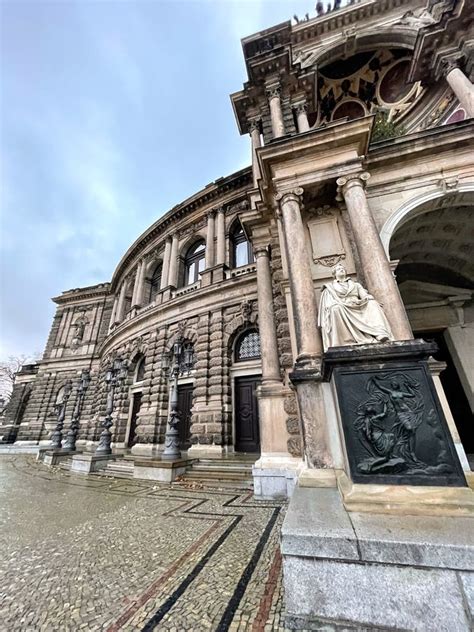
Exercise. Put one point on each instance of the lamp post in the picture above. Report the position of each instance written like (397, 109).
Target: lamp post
(60, 409)
(82, 384)
(182, 361)
(116, 374)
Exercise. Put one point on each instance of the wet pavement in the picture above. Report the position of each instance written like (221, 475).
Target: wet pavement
(94, 553)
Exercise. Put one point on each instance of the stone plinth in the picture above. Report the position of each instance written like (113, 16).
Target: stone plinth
(163, 471)
(275, 476)
(53, 456)
(394, 428)
(87, 463)
(364, 570)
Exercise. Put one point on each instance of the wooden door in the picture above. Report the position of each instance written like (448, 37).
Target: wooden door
(247, 433)
(137, 402)
(185, 403)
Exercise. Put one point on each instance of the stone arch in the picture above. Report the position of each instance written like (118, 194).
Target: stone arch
(239, 324)
(394, 36)
(188, 333)
(422, 204)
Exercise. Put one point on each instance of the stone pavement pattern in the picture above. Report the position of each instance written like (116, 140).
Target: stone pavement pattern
(107, 554)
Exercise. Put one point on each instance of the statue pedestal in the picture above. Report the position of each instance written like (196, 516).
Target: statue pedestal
(361, 566)
(394, 429)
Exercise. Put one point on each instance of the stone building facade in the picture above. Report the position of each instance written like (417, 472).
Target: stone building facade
(235, 271)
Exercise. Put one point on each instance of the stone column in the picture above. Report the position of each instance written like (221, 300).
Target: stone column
(276, 114)
(461, 86)
(380, 280)
(254, 129)
(220, 252)
(308, 341)
(266, 318)
(121, 304)
(302, 117)
(141, 284)
(173, 267)
(166, 264)
(137, 295)
(114, 312)
(210, 240)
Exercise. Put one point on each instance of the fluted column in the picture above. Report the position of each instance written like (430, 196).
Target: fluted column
(173, 267)
(220, 251)
(254, 130)
(266, 318)
(140, 285)
(461, 86)
(308, 341)
(276, 114)
(121, 304)
(166, 265)
(380, 280)
(210, 240)
(302, 117)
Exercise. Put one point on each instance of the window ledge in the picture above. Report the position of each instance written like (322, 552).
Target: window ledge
(251, 267)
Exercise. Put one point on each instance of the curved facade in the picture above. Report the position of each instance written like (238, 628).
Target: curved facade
(235, 272)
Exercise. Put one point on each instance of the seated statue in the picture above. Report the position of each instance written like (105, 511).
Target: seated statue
(349, 315)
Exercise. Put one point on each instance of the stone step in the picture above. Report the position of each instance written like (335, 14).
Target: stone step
(226, 468)
(217, 475)
(217, 483)
(113, 473)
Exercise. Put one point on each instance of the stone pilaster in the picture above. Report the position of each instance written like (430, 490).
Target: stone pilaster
(378, 274)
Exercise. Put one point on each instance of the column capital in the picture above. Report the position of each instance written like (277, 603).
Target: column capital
(261, 251)
(300, 107)
(273, 90)
(356, 179)
(220, 210)
(295, 194)
(254, 124)
(210, 214)
(450, 64)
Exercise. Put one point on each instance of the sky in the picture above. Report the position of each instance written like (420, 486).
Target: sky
(111, 112)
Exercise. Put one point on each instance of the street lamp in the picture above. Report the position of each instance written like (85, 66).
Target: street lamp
(116, 374)
(60, 410)
(182, 361)
(81, 388)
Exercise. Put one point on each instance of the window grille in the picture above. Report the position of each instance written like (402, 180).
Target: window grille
(248, 347)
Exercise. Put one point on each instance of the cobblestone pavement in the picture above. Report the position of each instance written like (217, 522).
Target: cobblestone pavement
(107, 554)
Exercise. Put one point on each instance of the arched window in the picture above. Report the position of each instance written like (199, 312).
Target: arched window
(140, 371)
(242, 252)
(155, 282)
(194, 262)
(248, 346)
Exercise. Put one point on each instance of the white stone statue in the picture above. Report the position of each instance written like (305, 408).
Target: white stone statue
(349, 315)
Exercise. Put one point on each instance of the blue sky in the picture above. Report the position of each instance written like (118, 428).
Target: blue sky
(110, 114)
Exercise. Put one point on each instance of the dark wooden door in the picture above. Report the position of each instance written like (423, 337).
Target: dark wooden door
(247, 433)
(137, 402)
(185, 403)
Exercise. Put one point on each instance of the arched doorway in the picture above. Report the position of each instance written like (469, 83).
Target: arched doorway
(247, 375)
(433, 245)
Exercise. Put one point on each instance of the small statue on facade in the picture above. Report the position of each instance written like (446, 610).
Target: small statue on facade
(79, 328)
(349, 315)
